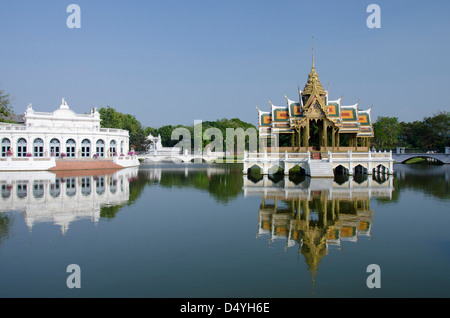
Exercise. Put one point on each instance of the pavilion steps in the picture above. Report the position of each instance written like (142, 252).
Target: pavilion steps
(320, 168)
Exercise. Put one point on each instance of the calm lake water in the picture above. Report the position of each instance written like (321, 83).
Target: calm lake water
(200, 230)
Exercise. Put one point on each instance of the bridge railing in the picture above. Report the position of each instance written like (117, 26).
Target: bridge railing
(264, 155)
(350, 156)
(403, 150)
(330, 156)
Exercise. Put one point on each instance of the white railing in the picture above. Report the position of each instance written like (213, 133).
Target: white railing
(8, 126)
(329, 156)
(26, 163)
(112, 130)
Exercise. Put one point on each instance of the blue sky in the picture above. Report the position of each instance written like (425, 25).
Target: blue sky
(171, 62)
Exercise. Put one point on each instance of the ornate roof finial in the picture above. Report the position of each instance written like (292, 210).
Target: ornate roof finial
(313, 51)
(64, 104)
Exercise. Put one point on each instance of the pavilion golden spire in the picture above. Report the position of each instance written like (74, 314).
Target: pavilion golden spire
(313, 79)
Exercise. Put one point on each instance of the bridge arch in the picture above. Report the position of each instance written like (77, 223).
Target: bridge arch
(360, 169)
(256, 166)
(404, 159)
(341, 170)
(381, 168)
(274, 168)
(198, 159)
(297, 169)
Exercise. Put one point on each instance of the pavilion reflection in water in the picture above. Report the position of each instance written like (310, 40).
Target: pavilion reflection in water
(64, 197)
(317, 213)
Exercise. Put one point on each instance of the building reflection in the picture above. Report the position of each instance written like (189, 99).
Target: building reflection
(316, 214)
(64, 197)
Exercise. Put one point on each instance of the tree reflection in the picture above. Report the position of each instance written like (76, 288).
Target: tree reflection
(6, 222)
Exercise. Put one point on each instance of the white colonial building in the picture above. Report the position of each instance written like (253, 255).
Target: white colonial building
(45, 137)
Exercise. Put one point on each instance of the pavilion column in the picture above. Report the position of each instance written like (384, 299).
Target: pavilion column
(338, 140)
(333, 139)
(306, 136)
(320, 136)
(261, 144)
(299, 137)
(324, 135)
(293, 141)
(274, 143)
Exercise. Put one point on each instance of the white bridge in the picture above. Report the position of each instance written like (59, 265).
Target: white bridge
(402, 155)
(157, 153)
(321, 164)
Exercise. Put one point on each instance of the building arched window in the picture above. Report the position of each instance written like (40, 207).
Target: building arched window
(112, 148)
(6, 146)
(38, 147)
(55, 147)
(70, 148)
(85, 148)
(121, 147)
(100, 148)
(21, 147)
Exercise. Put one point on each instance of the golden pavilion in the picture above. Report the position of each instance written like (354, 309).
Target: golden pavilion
(315, 122)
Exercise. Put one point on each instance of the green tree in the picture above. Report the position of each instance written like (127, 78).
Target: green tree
(111, 118)
(437, 131)
(6, 110)
(166, 135)
(138, 139)
(411, 134)
(152, 131)
(386, 132)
